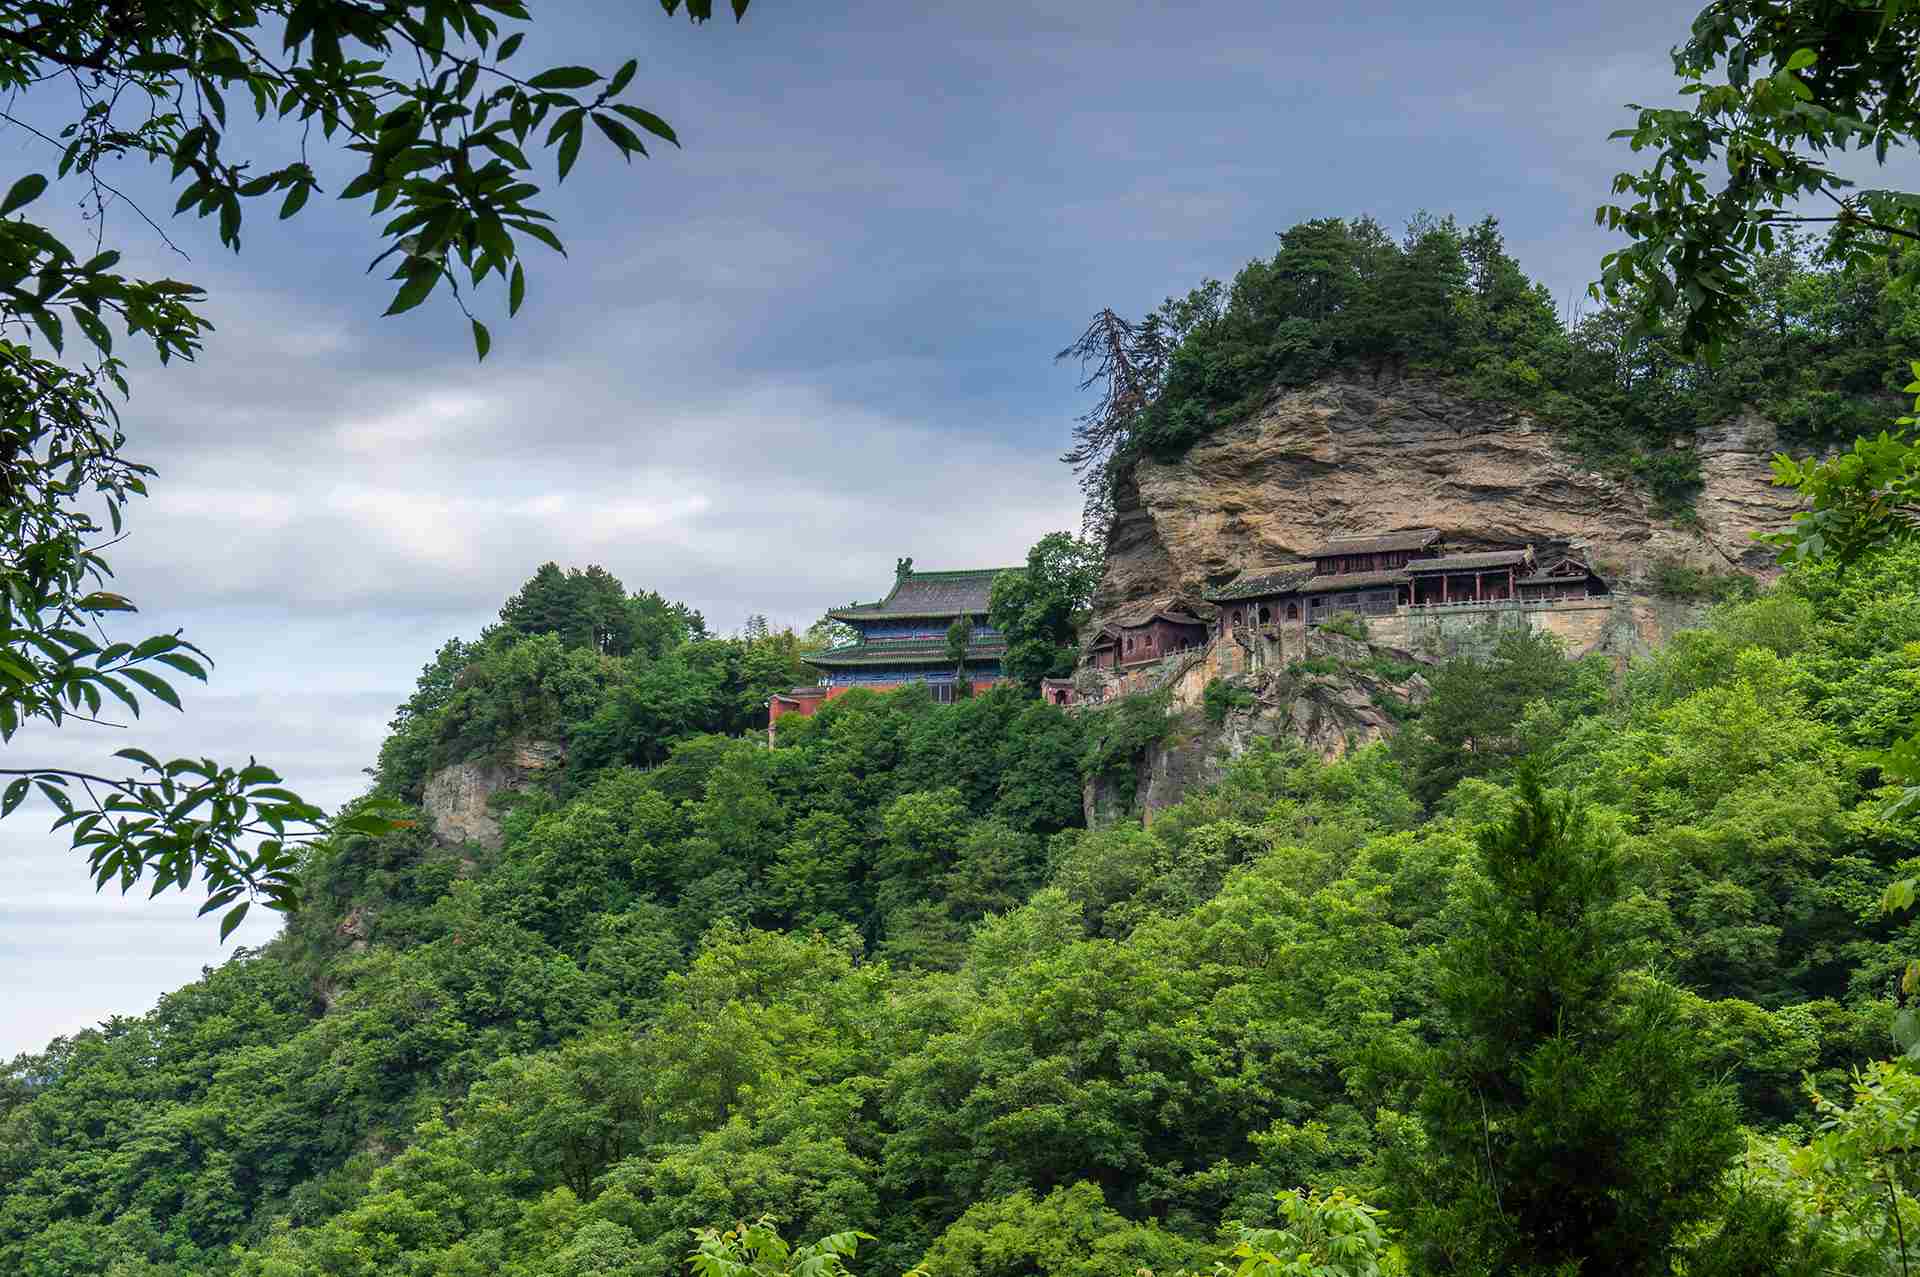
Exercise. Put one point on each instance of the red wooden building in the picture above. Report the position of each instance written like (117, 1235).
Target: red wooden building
(1378, 575)
(1162, 628)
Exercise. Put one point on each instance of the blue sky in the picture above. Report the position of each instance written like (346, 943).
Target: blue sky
(814, 340)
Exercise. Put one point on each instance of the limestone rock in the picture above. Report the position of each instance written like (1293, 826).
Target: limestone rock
(1341, 694)
(1363, 453)
(457, 797)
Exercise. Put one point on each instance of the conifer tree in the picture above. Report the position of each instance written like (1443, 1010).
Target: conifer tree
(1568, 1115)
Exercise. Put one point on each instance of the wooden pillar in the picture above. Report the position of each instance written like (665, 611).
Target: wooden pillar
(1444, 596)
(1476, 587)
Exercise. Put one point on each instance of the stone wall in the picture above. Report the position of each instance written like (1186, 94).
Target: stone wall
(1622, 626)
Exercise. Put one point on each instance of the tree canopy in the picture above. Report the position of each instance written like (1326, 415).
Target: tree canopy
(881, 978)
(1039, 607)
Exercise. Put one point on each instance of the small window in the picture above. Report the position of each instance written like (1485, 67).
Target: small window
(942, 693)
(1293, 611)
(1266, 616)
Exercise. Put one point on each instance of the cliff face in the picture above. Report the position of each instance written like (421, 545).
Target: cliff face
(458, 798)
(1363, 453)
(1336, 694)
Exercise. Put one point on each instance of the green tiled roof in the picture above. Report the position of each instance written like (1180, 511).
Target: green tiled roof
(903, 652)
(929, 594)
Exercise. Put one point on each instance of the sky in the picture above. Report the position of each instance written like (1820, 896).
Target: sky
(817, 338)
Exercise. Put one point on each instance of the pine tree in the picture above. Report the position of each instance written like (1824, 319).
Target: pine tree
(1569, 1117)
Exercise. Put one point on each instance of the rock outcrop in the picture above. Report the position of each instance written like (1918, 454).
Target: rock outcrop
(459, 798)
(1339, 694)
(1364, 453)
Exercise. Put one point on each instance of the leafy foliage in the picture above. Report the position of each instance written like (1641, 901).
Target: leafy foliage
(421, 97)
(1473, 725)
(1333, 1236)
(1039, 607)
(1221, 698)
(1779, 91)
(1567, 1119)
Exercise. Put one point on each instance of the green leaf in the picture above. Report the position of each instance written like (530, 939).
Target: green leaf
(235, 916)
(24, 192)
(510, 45)
(648, 121)
(569, 148)
(619, 134)
(419, 283)
(565, 78)
(185, 664)
(296, 200)
(516, 289)
(1801, 59)
(154, 684)
(15, 793)
(482, 340)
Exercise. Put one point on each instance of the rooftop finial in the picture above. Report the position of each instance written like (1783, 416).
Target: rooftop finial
(902, 568)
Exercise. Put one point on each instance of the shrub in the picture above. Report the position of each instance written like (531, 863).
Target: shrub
(1677, 580)
(1348, 624)
(1119, 734)
(1222, 697)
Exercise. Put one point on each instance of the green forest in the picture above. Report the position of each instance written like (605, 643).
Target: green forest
(1619, 995)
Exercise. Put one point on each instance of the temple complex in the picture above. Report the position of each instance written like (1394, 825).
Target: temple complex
(1407, 575)
(1393, 573)
(902, 639)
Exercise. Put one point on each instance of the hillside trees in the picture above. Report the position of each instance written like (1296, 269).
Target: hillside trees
(617, 677)
(1472, 725)
(878, 977)
(420, 96)
(1037, 607)
(1569, 1118)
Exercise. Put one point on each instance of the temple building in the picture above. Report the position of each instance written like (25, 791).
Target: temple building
(1381, 575)
(1161, 628)
(902, 639)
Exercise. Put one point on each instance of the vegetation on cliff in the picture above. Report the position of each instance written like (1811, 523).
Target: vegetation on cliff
(1818, 351)
(879, 978)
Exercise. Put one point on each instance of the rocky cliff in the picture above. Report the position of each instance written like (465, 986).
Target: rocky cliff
(1364, 453)
(1337, 694)
(459, 798)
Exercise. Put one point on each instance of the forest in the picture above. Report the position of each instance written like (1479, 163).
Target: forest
(1619, 991)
